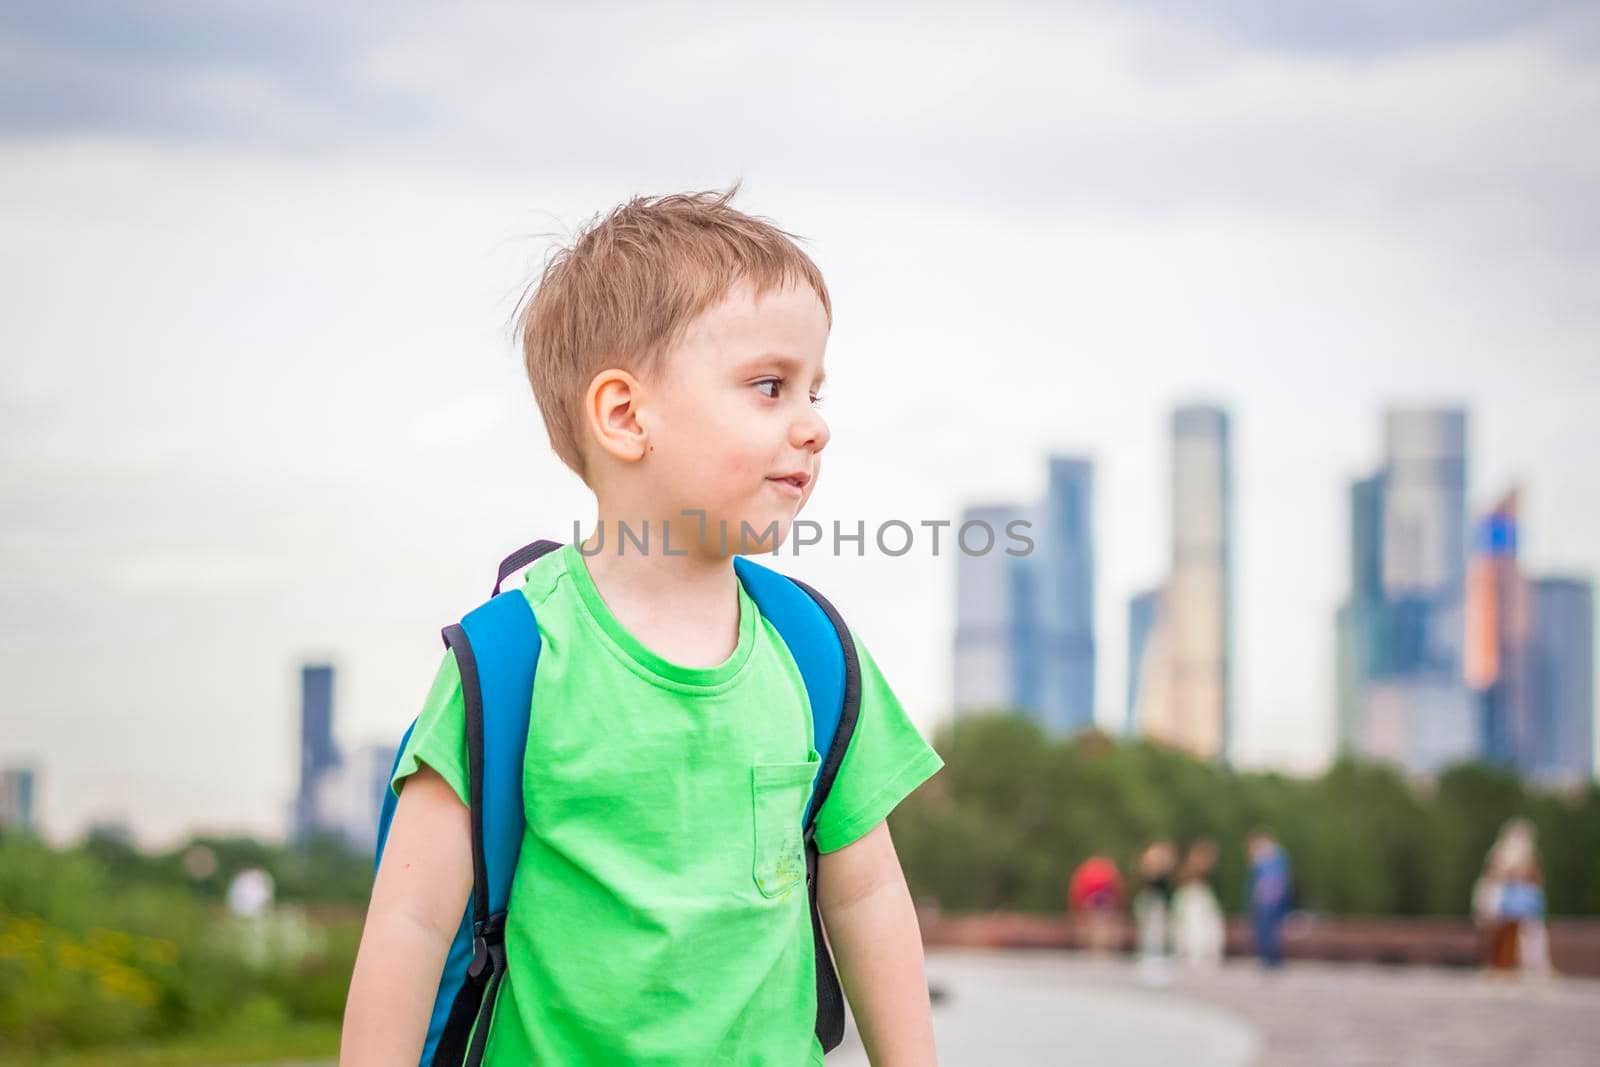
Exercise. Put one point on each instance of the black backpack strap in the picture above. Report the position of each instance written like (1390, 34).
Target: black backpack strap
(830, 997)
(849, 713)
(474, 1002)
(466, 1032)
(521, 558)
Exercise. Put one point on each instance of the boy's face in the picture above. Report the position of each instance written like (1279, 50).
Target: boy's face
(732, 415)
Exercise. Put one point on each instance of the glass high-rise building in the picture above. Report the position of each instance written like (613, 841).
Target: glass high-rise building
(1425, 502)
(1196, 606)
(1024, 637)
(1144, 657)
(1499, 624)
(1360, 647)
(1402, 694)
(318, 753)
(1561, 660)
(1066, 601)
(993, 639)
(17, 799)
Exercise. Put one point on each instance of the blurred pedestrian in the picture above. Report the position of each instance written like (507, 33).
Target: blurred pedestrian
(1198, 931)
(1270, 896)
(1508, 902)
(1497, 936)
(1094, 899)
(1151, 910)
(1522, 900)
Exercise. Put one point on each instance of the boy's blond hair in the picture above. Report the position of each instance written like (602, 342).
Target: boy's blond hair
(623, 292)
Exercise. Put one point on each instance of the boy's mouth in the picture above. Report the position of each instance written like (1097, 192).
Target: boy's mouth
(794, 483)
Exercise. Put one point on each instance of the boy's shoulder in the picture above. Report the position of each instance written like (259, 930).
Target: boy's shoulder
(545, 577)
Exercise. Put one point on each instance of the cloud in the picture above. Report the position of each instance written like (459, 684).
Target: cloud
(1364, 29)
(1414, 116)
(232, 71)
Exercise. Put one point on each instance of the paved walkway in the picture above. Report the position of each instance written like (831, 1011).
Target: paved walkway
(1006, 1008)
(1010, 1009)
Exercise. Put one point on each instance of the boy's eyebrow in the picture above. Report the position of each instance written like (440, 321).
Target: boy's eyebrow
(787, 362)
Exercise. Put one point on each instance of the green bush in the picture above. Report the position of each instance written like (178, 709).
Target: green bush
(101, 947)
(1014, 812)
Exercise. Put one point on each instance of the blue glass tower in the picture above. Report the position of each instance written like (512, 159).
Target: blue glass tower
(1024, 636)
(318, 754)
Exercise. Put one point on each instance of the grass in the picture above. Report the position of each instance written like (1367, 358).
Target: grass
(307, 1043)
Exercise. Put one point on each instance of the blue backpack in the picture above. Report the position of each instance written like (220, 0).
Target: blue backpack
(496, 646)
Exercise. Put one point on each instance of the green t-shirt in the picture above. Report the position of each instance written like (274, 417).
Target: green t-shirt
(659, 912)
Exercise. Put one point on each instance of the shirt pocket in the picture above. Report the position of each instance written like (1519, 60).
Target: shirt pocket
(779, 792)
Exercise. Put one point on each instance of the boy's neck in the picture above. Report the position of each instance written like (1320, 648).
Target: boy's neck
(684, 606)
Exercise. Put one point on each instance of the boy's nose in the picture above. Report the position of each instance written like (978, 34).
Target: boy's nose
(809, 431)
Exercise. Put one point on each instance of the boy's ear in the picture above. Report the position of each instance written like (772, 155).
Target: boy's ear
(611, 410)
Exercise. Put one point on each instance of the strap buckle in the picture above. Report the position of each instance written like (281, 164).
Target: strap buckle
(488, 946)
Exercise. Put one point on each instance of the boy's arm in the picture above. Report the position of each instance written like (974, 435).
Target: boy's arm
(872, 928)
(417, 902)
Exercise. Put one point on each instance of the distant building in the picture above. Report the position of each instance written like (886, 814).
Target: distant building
(1145, 657)
(1561, 659)
(1499, 621)
(1360, 645)
(318, 753)
(17, 801)
(351, 796)
(1198, 603)
(1064, 560)
(1425, 502)
(1402, 694)
(1024, 637)
(992, 649)
(1180, 663)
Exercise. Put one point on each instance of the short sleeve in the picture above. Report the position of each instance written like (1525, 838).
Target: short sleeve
(439, 738)
(886, 760)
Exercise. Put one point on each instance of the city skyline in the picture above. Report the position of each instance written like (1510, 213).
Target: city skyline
(1448, 650)
(331, 794)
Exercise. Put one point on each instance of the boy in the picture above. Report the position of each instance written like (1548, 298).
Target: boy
(659, 913)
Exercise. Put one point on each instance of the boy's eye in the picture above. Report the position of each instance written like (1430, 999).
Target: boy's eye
(777, 384)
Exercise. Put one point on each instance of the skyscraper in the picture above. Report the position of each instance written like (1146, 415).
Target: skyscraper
(1360, 647)
(318, 753)
(1065, 608)
(993, 639)
(1185, 697)
(17, 799)
(1499, 625)
(1024, 637)
(1425, 502)
(1402, 695)
(1145, 659)
(1561, 659)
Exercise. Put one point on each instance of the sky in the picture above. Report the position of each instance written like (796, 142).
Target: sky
(260, 403)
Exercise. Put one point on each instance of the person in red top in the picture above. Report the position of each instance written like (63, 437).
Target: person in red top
(1094, 899)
